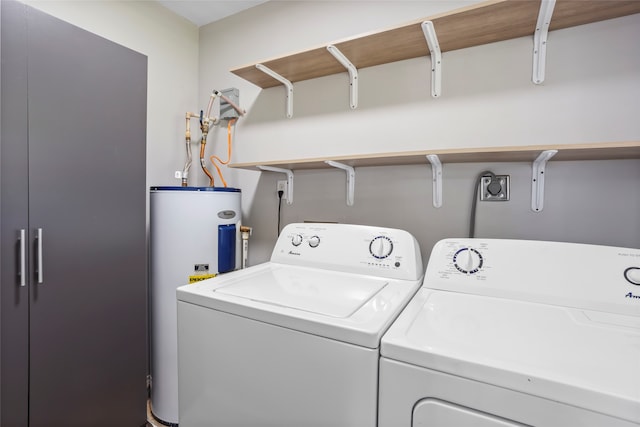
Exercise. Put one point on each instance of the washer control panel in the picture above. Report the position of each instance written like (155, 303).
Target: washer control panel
(381, 247)
(596, 277)
(468, 260)
(361, 249)
(296, 239)
(632, 274)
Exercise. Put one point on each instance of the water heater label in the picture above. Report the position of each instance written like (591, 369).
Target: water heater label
(226, 214)
(201, 273)
(201, 268)
(200, 278)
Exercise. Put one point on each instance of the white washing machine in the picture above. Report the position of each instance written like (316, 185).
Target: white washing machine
(295, 341)
(511, 333)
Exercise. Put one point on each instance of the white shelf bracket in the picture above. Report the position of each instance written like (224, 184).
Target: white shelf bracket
(289, 174)
(353, 74)
(287, 84)
(537, 179)
(351, 179)
(436, 169)
(540, 40)
(436, 57)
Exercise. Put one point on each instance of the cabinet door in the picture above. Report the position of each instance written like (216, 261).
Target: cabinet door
(14, 187)
(87, 192)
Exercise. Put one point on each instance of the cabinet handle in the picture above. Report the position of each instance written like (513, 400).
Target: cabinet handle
(39, 250)
(23, 257)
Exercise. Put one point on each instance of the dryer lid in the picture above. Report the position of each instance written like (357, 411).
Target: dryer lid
(583, 358)
(317, 291)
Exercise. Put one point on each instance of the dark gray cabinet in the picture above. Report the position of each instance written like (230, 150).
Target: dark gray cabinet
(73, 257)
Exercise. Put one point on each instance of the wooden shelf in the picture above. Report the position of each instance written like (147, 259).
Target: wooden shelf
(487, 22)
(599, 151)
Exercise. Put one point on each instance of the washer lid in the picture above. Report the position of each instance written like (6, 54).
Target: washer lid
(322, 292)
(352, 308)
(582, 358)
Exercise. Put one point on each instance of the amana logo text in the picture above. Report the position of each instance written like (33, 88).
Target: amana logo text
(631, 295)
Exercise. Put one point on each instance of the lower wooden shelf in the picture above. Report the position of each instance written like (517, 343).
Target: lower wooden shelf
(528, 153)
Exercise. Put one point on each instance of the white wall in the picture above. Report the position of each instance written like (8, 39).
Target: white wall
(591, 94)
(171, 45)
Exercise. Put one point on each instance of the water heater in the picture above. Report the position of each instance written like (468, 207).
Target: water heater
(194, 235)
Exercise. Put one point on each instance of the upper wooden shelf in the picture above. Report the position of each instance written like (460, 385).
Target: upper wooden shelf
(487, 22)
(596, 151)
(482, 23)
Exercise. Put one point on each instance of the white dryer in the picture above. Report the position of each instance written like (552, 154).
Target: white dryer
(510, 333)
(295, 341)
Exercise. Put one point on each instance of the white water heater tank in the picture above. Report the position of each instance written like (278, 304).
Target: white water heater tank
(194, 235)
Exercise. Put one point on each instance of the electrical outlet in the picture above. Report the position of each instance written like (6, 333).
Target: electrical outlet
(497, 191)
(282, 186)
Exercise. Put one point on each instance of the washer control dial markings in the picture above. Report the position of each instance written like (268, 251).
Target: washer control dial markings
(381, 247)
(632, 274)
(314, 241)
(296, 240)
(468, 260)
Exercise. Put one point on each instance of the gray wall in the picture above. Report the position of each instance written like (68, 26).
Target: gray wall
(595, 202)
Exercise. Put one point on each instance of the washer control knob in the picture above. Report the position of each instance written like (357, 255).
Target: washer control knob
(381, 247)
(314, 241)
(468, 260)
(296, 240)
(632, 274)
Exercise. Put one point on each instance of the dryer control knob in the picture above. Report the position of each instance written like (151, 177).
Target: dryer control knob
(468, 260)
(296, 240)
(314, 241)
(632, 274)
(381, 247)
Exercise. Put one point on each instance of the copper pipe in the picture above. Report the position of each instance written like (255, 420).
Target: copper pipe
(203, 143)
(187, 138)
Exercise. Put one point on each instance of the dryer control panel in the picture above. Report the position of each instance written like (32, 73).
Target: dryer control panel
(379, 251)
(601, 278)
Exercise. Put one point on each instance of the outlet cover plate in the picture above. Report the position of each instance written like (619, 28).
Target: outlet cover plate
(282, 186)
(504, 193)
